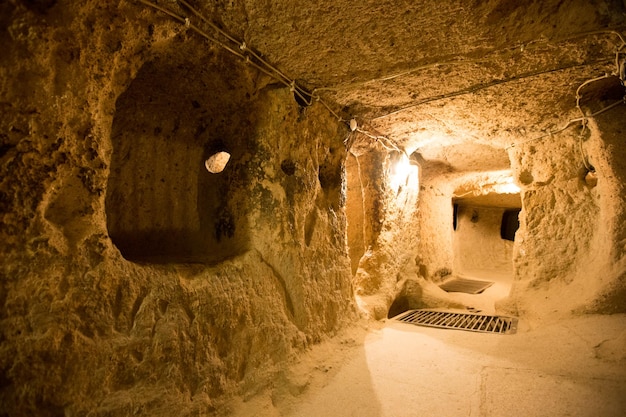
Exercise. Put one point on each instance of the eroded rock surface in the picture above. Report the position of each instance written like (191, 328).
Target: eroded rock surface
(134, 281)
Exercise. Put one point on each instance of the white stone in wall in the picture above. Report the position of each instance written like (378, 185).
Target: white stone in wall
(217, 162)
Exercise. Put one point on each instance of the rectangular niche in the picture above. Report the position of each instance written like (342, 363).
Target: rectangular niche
(162, 203)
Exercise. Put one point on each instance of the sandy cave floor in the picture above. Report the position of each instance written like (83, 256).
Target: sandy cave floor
(573, 367)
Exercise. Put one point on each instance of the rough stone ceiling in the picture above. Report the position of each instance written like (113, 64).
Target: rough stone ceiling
(430, 74)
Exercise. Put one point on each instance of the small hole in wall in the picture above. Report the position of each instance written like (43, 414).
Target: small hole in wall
(288, 167)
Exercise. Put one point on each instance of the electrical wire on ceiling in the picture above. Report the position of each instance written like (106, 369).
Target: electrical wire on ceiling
(241, 50)
(474, 88)
(482, 86)
(383, 140)
(236, 47)
(489, 57)
(568, 124)
(250, 57)
(620, 72)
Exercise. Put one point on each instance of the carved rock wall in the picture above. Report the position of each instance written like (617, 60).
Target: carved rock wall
(133, 280)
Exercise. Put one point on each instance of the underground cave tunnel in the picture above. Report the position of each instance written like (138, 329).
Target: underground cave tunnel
(375, 150)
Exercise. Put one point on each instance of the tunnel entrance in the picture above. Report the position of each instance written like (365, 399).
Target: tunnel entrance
(484, 232)
(163, 203)
(510, 224)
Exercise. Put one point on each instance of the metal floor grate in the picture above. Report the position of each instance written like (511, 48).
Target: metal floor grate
(470, 286)
(462, 321)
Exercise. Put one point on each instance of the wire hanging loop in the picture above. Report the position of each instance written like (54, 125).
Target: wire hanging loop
(583, 156)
